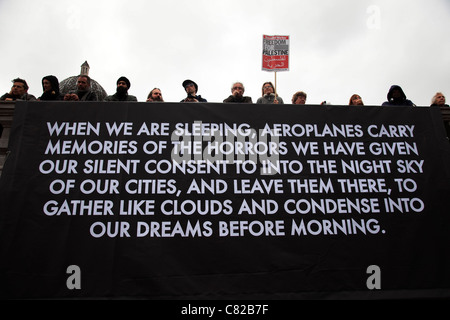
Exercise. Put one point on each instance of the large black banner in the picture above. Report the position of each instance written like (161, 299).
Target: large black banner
(221, 201)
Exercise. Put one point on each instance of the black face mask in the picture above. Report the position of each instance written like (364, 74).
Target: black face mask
(121, 91)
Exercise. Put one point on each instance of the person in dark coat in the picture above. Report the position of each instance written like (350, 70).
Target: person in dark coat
(439, 101)
(123, 84)
(396, 97)
(50, 86)
(83, 92)
(19, 91)
(237, 94)
(191, 89)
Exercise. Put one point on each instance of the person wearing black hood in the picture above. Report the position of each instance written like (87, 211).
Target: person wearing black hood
(396, 98)
(123, 84)
(50, 86)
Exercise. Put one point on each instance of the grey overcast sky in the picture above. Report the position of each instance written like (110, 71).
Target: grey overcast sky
(338, 47)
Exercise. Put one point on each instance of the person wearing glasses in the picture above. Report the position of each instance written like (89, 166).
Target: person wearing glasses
(268, 95)
(237, 94)
(19, 91)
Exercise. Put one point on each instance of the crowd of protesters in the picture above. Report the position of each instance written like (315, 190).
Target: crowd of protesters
(83, 92)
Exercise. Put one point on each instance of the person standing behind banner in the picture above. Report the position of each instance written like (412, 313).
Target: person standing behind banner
(83, 92)
(299, 98)
(155, 96)
(237, 94)
(397, 98)
(268, 95)
(356, 100)
(50, 86)
(19, 91)
(439, 101)
(123, 84)
(191, 89)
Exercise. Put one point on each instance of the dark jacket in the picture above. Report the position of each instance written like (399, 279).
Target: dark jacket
(26, 96)
(397, 102)
(54, 94)
(233, 99)
(117, 97)
(51, 96)
(86, 95)
(446, 123)
(199, 98)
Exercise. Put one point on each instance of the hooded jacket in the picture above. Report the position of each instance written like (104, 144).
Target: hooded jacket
(54, 94)
(402, 101)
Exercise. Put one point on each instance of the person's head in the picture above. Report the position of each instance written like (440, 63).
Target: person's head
(190, 87)
(438, 99)
(83, 83)
(155, 95)
(355, 100)
(50, 84)
(20, 87)
(268, 88)
(299, 98)
(238, 89)
(396, 94)
(123, 84)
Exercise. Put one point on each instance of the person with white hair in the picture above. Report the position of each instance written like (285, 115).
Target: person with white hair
(237, 94)
(438, 100)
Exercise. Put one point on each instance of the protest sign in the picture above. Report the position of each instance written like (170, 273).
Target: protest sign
(275, 55)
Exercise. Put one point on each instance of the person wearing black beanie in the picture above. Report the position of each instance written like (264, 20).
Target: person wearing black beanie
(124, 79)
(123, 84)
